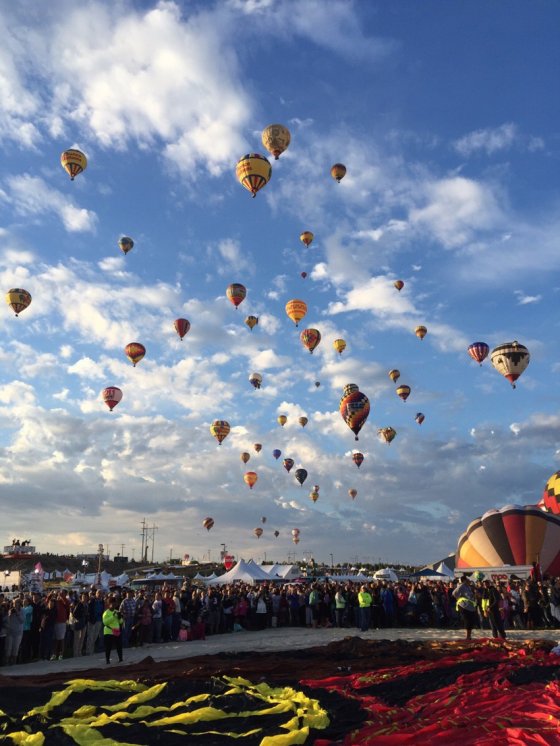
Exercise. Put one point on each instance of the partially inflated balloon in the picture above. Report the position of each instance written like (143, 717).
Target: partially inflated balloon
(18, 299)
(403, 391)
(135, 352)
(352, 493)
(125, 244)
(276, 453)
(73, 162)
(387, 434)
(419, 418)
(288, 463)
(551, 495)
(245, 457)
(281, 419)
(358, 458)
(306, 237)
(510, 359)
(303, 421)
(338, 171)
(296, 310)
(276, 139)
(236, 293)
(208, 523)
(182, 326)
(310, 338)
(399, 284)
(250, 478)
(256, 380)
(111, 396)
(252, 321)
(253, 171)
(300, 475)
(220, 430)
(478, 351)
(354, 410)
(258, 532)
(339, 345)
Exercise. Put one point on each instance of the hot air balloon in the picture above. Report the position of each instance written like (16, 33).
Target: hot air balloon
(18, 299)
(111, 396)
(386, 434)
(296, 310)
(354, 409)
(253, 171)
(303, 421)
(276, 139)
(182, 326)
(220, 430)
(135, 352)
(125, 244)
(276, 453)
(338, 171)
(399, 284)
(252, 321)
(300, 475)
(250, 478)
(352, 492)
(296, 532)
(420, 332)
(478, 351)
(287, 464)
(258, 532)
(306, 237)
(263, 519)
(236, 293)
(314, 495)
(245, 457)
(316, 487)
(256, 380)
(419, 418)
(304, 275)
(281, 419)
(310, 338)
(394, 375)
(510, 359)
(403, 391)
(277, 534)
(317, 384)
(73, 162)
(551, 494)
(358, 458)
(208, 523)
(339, 345)
(257, 447)
(512, 535)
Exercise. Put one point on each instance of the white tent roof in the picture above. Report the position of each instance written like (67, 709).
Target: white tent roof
(444, 570)
(246, 572)
(205, 578)
(387, 573)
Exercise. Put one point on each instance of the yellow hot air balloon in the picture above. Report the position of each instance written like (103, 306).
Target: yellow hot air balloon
(387, 434)
(252, 321)
(403, 391)
(220, 430)
(339, 345)
(281, 419)
(253, 171)
(245, 457)
(306, 237)
(296, 310)
(73, 162)
(338, 171)
(18, 299)
(420, 332)
(250, 478)
(314, 495)
(276, 139)
(394, 375)
(303, 421)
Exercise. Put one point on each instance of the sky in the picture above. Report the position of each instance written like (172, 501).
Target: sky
(446, 117)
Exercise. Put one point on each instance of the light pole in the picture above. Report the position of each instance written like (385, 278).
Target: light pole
(332, 562)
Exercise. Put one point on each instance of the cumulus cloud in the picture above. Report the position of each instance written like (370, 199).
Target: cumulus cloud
(493, 140)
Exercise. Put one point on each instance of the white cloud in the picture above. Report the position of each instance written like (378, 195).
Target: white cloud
(523, 299)
(490, 140)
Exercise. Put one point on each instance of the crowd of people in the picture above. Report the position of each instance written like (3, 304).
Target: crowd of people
(57, 624)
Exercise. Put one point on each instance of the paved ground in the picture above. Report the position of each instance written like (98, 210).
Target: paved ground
(284, 638)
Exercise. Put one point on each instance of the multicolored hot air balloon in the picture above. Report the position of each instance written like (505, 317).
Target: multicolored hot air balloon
(220, 430)
(399, 284)
(281, 419)
(253, 171)
(182, 326)
(551, 495)
(339, 345)
(338, 171)
(256, 380)
(354, 408)
(358, 458)
(245, 457)
(512, 535)
(352, 492)
(478, 351)
(419, 418)
(73, 162)
(125, 244)
(314, 495)
(111, 396)
(303, 421)
(310, 338)
(18, 299)
(252, 321)
(403, 391)
(420, 332)
(287, 464)
(258, 532)
(276, 453)
(250, 478)
(387, 434)
(296, 310)
(510, 359)
(208, 523)
(306, 237)
(300, 475)
(257, 447)
(394, 375)
(276, 139)
(135, 352)
(236, 293)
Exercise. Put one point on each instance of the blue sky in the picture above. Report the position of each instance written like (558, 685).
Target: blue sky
(445, 115)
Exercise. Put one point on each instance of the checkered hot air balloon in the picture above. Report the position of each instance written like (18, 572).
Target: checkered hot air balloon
(510, 359)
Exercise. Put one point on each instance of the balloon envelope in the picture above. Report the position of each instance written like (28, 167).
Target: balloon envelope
(257, 447)
(352, 493)
(208, 523)
(387, 434)
(399, 284)
(182, 326)
(354, 410)
(111, 396)
(253, 171)
(419, 418)
(478, 351)
(220, 430)
(250, 478)
(251, 321)
(300, 475)
(236, 293)
(18, 299)
(339, 345)
(296, 310)
(135, 352)
(281, 419)
(73, 162)
(276, 139)
(303, 421)
(306, 237)
(276, 453)
(258, 532)
(125, 244)
(420, 331)
(245, 457)
(288, 463)
(551, 494)
(358, 458)
(338, 171)
(403, 391)
(310, 338)
(394, 375)
(256, 380)
(510, 359)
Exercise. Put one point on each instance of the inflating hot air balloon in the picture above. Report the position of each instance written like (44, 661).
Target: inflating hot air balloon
(258, 532)
(512, 535)
(287, 464)
(394, 375)
(125, 244)
(208, 523)
(354, 408)
(182, 326)
(352, 492)
(276, 453)
(358, 458)
(420, 332)
(419, 418)
(135, 352)
(277, 534)
(300, 475)
(310, 338)
(236, 293)
(386, 434)
(403, 391)
(510, 359)
(253, 171)
(257, 447)
(281, 419)
(296, 310)
(478, 351)
(399, 284)
(306, 237)
(250, 478)
(18, 299)
(339, 345)
(304, 275)
(111, 396)
(338, 171)
(245, 457)
(252, 321)
(551, 495)
(220, 430)
(276, 139)
(73, 162)
(256, 380)
(303, 421)
(314, 495)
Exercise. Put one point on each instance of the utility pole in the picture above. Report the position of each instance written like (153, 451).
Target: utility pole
(144, 537)
(153, 529)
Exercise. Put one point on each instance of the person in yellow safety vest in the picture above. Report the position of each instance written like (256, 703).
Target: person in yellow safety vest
(466, 604)
(112, 627)
(364, 600)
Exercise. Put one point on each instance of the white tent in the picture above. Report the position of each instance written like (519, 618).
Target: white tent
(205, 578)
(246, 572)
(444, 570)
(387, 573)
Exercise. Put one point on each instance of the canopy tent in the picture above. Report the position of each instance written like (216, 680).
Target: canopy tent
(387, 573)
(258, 572)
(205, 578)
(242, 572)
(445, 570)
(428, 574)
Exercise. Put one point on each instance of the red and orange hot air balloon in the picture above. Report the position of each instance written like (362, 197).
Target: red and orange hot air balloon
(236, 293)
(250, 478)
(135, 352)
(354, 408)
(182, 326)
(310, 338)
(111, 396)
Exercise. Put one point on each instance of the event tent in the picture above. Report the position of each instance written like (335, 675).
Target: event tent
(244, 572)
(387, 573)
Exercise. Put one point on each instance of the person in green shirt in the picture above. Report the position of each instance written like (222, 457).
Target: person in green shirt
(112, 630)
(365, 600)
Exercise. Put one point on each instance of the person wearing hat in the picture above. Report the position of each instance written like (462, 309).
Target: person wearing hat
(491, 609)
(466, 604)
